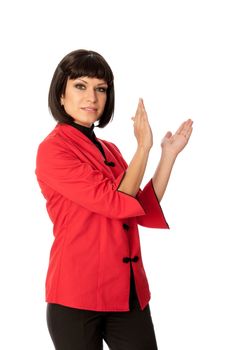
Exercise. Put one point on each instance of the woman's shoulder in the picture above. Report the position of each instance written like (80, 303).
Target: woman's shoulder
(54, 140)
(61, 134)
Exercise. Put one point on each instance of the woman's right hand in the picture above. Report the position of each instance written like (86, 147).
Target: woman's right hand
(142, 129)
(136, 169)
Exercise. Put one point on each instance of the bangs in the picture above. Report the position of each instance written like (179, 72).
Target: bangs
(91, 66)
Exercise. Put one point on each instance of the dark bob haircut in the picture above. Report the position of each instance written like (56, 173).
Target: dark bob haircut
(80, 63)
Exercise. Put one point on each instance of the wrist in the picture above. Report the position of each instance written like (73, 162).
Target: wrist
(143, 148)
(168, 155)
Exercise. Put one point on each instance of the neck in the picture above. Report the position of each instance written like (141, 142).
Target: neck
(89, 126)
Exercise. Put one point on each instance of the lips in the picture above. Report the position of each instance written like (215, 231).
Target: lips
(89, 109)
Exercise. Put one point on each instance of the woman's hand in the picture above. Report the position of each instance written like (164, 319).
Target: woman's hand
(174, 144)
(135, 171)
(171, 145)
(142, 129)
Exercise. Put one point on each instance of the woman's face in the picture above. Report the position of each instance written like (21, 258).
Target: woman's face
(84, 99)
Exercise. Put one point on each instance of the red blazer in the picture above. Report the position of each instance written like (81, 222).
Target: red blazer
(96, 236)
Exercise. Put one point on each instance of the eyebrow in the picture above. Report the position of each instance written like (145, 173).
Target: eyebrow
(84, 81)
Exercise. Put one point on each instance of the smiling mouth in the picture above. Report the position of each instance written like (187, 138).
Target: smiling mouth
(89, 109)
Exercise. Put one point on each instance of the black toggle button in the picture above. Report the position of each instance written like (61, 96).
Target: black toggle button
(126, 259)
(109, 163)
(135, 259)
(126, 227)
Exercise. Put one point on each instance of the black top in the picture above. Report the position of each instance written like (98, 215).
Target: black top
(85, 130)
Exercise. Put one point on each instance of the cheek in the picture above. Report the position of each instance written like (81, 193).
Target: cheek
(103, 102)
(70, 106)
(72, 100)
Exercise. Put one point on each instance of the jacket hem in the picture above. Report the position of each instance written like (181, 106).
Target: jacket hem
(86, 307)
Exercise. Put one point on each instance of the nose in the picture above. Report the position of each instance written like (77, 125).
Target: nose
(91, 95)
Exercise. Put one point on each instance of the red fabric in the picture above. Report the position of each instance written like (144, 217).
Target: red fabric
(86, 268)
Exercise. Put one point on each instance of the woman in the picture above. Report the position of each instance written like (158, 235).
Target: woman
(96, 286)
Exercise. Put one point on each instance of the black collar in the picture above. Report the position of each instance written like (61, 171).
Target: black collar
(85, 130)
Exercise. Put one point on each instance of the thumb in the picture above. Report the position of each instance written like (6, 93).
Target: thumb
(168, 135)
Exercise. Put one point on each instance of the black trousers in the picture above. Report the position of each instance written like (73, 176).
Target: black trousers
(75, 329)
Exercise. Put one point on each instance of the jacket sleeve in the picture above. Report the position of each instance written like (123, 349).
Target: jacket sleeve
(81, 183)
(154, 216)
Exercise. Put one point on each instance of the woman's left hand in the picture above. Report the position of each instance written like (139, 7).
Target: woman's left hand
(174, 144)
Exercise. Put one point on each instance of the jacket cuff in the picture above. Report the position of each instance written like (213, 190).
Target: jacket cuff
(133, 207)
(154, 216)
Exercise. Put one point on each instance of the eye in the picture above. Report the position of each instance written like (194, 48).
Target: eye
(102, 89)
(80, 86)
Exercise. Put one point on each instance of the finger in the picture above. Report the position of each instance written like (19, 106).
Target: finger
(142, 103)
(143, 109)
(138, 110)
(188, 124)
(187, 129)
(141, 119)
(168, 135)
(188, 133)
(181, 127)
(139, 116)
(182, 130)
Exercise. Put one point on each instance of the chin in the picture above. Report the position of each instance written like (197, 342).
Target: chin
(86, 120)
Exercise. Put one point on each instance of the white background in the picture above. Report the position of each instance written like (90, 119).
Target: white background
(177, 55)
